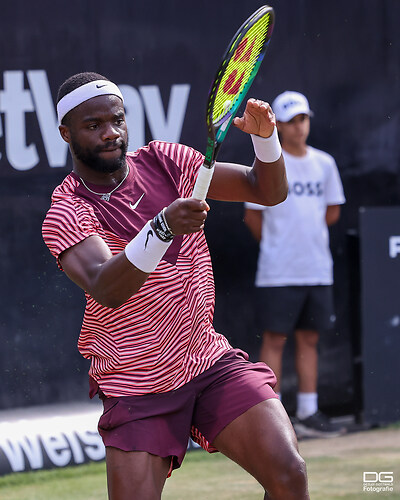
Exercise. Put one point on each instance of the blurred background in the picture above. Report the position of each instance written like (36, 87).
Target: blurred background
(344, 56)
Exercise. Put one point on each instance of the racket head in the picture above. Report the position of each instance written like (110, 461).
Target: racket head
(235, 75)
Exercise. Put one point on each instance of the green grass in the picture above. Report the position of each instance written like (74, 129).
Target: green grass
(70, 483)
(203, 476)
(340, 478)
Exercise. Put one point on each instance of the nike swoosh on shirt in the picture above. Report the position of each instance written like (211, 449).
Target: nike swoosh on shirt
(134, 205)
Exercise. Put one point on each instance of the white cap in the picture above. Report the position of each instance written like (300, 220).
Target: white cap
(290, 104)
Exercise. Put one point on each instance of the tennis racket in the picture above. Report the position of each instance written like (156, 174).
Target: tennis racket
(235, 74)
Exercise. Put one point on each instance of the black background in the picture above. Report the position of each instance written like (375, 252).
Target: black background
(343, 55)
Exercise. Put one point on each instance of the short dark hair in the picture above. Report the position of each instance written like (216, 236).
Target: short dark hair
(76, 81)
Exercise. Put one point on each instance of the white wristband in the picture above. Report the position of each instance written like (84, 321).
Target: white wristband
(267, 149)
(146, 249)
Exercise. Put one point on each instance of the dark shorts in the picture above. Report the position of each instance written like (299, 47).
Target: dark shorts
(162, 423)
(283, 309)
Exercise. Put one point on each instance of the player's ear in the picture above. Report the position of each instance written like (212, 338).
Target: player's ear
(64, 132)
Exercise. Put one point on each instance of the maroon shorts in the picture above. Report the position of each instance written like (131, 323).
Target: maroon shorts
(162, 423)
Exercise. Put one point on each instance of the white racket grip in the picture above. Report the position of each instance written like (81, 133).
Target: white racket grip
(203, 182)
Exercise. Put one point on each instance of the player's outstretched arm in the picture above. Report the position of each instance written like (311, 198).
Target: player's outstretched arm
(265, 183)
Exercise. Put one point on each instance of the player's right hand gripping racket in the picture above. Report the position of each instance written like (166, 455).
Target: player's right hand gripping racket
(235, 74)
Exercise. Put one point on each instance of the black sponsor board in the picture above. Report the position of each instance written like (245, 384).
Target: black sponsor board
(164, 63)
(380, 313)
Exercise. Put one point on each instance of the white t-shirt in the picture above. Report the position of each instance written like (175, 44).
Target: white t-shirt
(294, 248)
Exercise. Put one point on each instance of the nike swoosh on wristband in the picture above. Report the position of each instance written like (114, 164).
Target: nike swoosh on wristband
(149, 233)
(134, 205)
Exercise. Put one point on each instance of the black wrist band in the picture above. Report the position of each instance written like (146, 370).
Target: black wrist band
(165, 221)
(161, 228)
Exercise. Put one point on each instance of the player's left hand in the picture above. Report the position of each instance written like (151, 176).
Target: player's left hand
(258, 118)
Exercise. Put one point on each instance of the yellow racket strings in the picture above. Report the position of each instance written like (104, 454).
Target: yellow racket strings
(240, 67)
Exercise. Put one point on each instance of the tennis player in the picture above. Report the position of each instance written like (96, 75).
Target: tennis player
(124, 228)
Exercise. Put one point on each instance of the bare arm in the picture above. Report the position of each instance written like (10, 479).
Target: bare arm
(253, 220)
(332, 214)
(109, 279)
(112, 279)
(264, 183)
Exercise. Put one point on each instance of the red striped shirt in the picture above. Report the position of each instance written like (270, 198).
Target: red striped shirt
(163, 335)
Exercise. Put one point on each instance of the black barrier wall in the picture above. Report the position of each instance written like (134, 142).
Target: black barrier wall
(380, 313)
(343, 56)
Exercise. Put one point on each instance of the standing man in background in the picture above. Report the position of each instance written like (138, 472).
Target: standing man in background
(295, 269)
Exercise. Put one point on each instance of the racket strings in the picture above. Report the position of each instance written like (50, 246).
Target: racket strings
(241, 64)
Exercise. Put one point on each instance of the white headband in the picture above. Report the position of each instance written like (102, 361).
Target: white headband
(85, 92)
